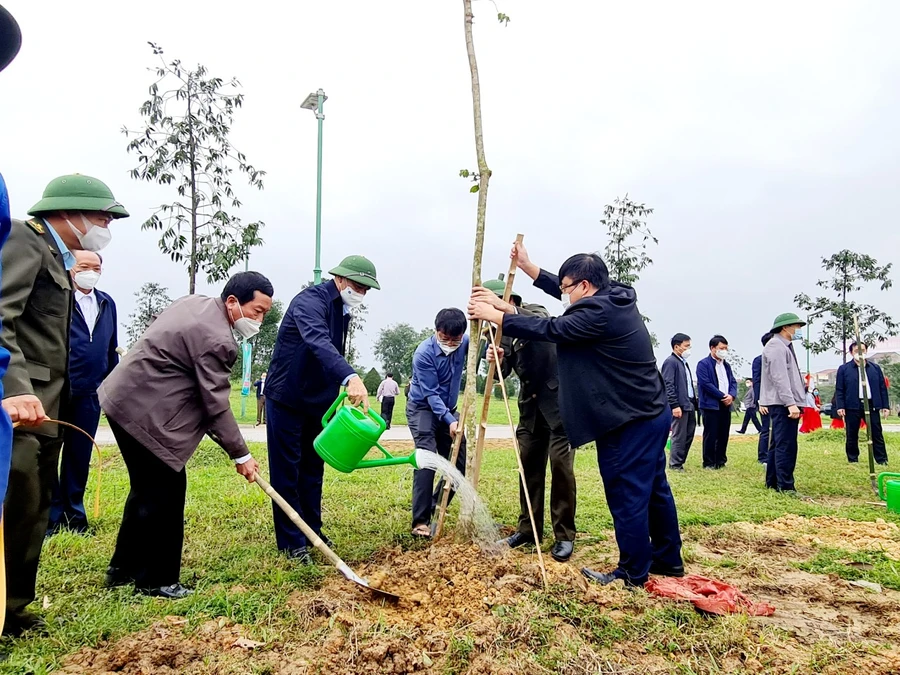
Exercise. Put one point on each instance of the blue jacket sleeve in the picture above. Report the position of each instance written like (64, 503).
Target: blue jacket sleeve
(425, 372)
(757, 378)
(732, 382)
(312, 322)
(882, 386)
(705, 383)
(840, 397)
(669, 373)
(578, 324)
(112, 359)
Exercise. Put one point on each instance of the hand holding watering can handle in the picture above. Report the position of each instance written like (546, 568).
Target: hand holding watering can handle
(881, 477)
(374, 416)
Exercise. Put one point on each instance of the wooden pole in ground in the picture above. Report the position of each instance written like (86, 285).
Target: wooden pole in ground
(481, 431)
(866, 404)
(534, 531)
(454, 455)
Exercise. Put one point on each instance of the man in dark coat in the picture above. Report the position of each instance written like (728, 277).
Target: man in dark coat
(762, 446)
(718, 389)
(305, 375)
(36, 307)
(610, 393)
(93, 340)
(682, 399)
(540, 431)
(849, 400)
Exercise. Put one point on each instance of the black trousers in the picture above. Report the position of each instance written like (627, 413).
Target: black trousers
(261, 409)
(716, 428)
(430, 433)
(295, 469)
(67, 507)
(851, 423)
(783, 449)
(762, 447)
(750, 416)
(537, 446)
(683, 430)
(387, 410)
(148, 548)
(26, 511)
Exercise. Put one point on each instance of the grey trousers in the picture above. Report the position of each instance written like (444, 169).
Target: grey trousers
(682, 436)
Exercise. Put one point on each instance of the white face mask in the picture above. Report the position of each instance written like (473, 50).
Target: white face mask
(447, 349)
(351, 298)
(859, 357)
(246, 328)
(566, 301)
(94, 237)
(722, 354)
(87, 279)
(686, 353)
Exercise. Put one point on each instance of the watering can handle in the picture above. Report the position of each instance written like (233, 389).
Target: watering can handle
(375, 417)
(881, 478)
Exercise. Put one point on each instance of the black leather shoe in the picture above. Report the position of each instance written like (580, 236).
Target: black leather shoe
(300, 554)
(605, 578)
(663, 571)
(173, 592)
(518, 539)
(116, 577)
(680, 469)
(16, 624)
(562, 550)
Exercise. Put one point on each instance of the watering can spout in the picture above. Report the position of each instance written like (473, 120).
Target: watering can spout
(389, 460)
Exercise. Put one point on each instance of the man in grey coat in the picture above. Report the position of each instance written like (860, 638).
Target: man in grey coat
(781, 397)
(171, 390)
(682, 399)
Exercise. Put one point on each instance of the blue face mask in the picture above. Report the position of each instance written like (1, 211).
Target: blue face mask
(798, 335)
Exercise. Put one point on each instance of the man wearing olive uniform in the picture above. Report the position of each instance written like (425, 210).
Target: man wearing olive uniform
(540, 434)
(36, 309)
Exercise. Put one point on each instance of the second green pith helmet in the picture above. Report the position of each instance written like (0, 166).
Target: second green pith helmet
(499, 287)
(78, 193)
(359, 269)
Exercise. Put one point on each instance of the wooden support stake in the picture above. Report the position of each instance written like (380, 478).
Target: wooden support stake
(481, 431)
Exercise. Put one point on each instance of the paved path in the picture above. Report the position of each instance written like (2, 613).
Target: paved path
(401, 433)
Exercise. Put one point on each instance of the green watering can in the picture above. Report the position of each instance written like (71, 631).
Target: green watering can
(348, 434)
(890, 492)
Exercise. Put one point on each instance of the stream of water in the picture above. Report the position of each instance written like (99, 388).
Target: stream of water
(484, 533)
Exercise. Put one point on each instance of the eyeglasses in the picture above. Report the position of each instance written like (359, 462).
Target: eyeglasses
(563, 289)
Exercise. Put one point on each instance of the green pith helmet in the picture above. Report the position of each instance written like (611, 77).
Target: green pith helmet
(78, 193)
(359, 269)
(10, 38)
(499, 287)
(787, 319)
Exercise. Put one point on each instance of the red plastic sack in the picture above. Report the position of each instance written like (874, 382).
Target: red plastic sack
(709, 595)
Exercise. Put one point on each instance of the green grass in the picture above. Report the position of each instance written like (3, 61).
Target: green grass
(230, 556)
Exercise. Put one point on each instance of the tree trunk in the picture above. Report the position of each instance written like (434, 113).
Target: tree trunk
(484, 176)
(192, 266)
(844, 317)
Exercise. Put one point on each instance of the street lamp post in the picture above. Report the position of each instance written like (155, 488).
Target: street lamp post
(314, 102)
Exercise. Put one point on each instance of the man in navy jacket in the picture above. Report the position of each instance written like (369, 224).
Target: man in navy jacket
(610, 393)
(93, 338)
(682, 399)
(718, 389)
(849, 402)
(762, 446)
(306, 373)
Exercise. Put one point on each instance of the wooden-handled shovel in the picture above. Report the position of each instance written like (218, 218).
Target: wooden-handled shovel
(316, 541)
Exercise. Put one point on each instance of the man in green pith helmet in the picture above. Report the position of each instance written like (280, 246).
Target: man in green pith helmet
(36, 307)
(540, 432)
(307, 371)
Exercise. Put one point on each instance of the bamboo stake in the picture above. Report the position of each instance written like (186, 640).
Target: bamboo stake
(454, 455)
(867, 404)
(481, 432)
(537, 538)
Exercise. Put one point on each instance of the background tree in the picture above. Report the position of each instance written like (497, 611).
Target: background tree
(152, 298)
(372, 380)
(629, 236)
(395, 347)
(263, 344)
(185, 142)
(849, 272)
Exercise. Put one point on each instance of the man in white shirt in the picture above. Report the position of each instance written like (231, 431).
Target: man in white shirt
(93, 345)
(388, 391)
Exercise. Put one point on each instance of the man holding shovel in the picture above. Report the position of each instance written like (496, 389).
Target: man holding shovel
(308, 369)
(171, 390)
(540, 430)
(610, 393)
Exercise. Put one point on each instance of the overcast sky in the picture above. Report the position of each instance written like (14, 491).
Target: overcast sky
(764, 136)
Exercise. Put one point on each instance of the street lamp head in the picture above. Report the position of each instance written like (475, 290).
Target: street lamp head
(312, 101)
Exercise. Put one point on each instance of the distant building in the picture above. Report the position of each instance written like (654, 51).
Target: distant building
(886, 351)
(825, 377)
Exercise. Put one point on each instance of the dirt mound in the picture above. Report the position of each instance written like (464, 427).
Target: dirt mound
(833, 532)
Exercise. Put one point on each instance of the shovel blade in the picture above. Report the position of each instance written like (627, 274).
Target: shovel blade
(350, 575)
